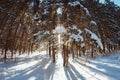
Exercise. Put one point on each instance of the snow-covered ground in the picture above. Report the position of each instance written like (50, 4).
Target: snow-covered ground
(40, 67)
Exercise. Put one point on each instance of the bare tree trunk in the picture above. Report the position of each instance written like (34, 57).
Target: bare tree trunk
(12, 54)
(65, 55)
(49, 49)
(67, 51)
(53, 54)
(92, 52)
(5, 55)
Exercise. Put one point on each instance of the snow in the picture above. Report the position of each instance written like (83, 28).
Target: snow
(82, 44)
(40, 34)
(93, 23)
(79, 31)
(36, 34)
(86, 10)
(77, 37)
(59, 29)
(59, 11)
(46, 32)
(59, 39)
(73, 27)
(75, 3)
(39, 66)
(95, 37)
(28, 30)
(45, 11)
(31, 4)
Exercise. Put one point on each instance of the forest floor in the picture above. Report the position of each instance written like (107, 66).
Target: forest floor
(39, 66)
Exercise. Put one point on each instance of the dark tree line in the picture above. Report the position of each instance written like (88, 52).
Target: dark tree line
(20, 20)
(107, 17)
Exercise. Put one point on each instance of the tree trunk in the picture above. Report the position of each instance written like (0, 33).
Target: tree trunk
(53, 55)
(49, 49)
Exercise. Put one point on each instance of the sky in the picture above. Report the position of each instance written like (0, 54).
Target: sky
(115, 1)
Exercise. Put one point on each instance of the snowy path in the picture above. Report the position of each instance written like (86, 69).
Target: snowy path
(40, 67)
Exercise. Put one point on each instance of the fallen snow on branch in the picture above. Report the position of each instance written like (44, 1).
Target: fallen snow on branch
(76, 37)
(75, 3)
(59, 11)
(93, 23)
(95, 37)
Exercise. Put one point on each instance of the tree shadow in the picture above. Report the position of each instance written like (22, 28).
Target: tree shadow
(110, 71)
(33, 71)
(72, 74)
(103, 69)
